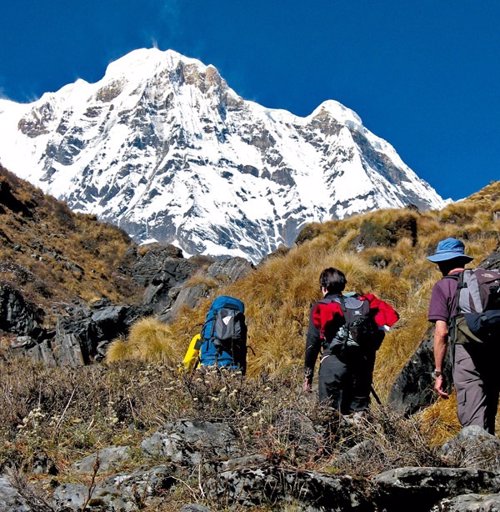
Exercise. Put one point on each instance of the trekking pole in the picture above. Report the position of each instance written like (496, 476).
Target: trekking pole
(374, 393)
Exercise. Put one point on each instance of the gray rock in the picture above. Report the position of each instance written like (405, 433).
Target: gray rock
(17, 315)
(119, 493)
(109, 458)
(473, 447)
(413, 388)
(492, 261)
(247, 461)
(425, 487)
(42, 352)
(83, 335)
(357, 455)
(273, 486)
(72, 496)
(42, 464)
(185, 296)
(190, 442)
(469, 503)
(193, 507)
(163, 263)
(68, 350)
(229, 269)
(223, 270)
(24, 342)
(10, 499)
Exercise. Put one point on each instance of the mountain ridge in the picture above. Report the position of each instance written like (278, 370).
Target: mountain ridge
(164, 148)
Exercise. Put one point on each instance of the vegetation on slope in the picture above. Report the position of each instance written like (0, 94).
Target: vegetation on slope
(64, 414)
(383, 252)
(60, 415)
(54, 256)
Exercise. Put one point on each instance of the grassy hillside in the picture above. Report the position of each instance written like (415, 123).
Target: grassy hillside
(54, 256)
(383, 252)
(63, 414)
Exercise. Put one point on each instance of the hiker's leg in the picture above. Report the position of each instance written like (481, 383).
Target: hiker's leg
(362, 377)
(492, 408)
(471, 394)
(491, 376)
(331, 382)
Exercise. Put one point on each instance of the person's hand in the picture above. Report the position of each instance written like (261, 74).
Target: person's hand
(438, 387)
(307, 386)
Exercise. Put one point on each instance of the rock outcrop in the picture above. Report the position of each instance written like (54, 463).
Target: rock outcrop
(82, 335)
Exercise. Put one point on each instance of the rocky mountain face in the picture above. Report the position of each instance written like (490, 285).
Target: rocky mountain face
(165, 149)
(69, 284)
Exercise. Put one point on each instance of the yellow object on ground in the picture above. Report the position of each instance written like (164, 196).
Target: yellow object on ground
(191, 359)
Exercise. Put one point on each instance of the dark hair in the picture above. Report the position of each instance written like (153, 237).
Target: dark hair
(333, 280)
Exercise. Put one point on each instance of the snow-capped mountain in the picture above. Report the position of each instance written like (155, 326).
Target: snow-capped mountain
(164, 148)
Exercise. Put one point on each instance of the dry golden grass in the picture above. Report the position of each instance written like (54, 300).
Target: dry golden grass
(439, 421)
(149, 340)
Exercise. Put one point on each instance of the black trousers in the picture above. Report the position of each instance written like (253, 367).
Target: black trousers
(345, 381)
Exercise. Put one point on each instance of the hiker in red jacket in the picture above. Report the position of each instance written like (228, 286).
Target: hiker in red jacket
(347, 329)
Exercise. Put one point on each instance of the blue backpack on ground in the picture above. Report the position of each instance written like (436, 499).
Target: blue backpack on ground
(223, 339)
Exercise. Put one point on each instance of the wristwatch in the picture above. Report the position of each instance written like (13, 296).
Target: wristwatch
(437, 373)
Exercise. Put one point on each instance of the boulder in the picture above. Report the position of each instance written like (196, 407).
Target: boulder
(247, 461)
(18, 316)
(473, 447)
(413, 388)
(42, 464)
(425, 487)
(160, 269)
(194, 507)
(10, 498)
(273, 486)
(155, 258)
(82, 336)
(229, 269)
(469, 503)
(492, 261)
(222, 270)
(118, 493)
(108, 458)
(184, 296)
(357, 455)
(190, 442)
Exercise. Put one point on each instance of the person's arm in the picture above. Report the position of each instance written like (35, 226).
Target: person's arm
(440, 345)
(313, 347)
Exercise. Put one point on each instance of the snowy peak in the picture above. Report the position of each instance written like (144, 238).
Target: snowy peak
(331, 109)
(164, 148)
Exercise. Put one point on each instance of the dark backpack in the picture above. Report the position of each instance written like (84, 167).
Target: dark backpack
(223, 340)
(478, 306)
(357, 329)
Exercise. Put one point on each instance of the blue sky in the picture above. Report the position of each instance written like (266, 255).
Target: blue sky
(424, 75)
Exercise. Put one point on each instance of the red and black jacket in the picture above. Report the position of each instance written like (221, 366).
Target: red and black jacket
(383, 314)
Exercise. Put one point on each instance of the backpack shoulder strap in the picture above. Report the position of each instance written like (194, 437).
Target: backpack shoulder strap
(459, 278)
(322, 315)
(341, 302)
